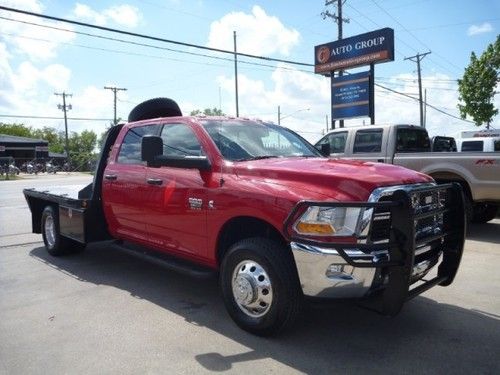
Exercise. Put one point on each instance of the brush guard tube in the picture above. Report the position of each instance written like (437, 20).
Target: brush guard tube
(421, 217)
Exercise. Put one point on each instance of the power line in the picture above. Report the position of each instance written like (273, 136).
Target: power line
(57, 118)
(144, 36)
(164, 48)
(409, 32)
(139, 44)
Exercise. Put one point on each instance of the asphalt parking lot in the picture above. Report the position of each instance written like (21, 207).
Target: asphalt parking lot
(106, 311)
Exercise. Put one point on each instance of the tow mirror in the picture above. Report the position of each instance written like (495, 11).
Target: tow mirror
(151, 147)
(152, 154)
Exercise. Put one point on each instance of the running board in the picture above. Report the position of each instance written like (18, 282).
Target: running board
(167, 261)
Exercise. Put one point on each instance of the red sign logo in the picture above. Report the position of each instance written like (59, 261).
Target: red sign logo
(323, 54)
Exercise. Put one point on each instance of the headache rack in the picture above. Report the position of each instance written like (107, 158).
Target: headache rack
(411, 229)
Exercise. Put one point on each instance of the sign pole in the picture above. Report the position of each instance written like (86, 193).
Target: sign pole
(372, 93)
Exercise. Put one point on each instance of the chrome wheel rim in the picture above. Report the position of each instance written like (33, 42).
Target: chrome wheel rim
(252, 288)
(50, 231)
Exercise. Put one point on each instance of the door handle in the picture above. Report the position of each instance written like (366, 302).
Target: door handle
(110, 177)
(154, 181)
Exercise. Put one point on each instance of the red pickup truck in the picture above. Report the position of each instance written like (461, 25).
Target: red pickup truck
(258, 205)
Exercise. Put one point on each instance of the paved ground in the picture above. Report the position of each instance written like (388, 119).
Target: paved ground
(104, 311)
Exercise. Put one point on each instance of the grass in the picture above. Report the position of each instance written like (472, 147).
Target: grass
(9, 177)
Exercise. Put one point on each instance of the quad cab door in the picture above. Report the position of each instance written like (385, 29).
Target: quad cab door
(124, 185)
(175, 205)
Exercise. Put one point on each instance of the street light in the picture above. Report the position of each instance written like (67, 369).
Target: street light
(289, 115)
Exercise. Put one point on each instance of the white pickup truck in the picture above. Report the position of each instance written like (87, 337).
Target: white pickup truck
(409, 146)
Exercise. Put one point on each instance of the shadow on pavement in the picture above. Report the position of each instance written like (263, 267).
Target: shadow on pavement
(489, 232)
(427, 337)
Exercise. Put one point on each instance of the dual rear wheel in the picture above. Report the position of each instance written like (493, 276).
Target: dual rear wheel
(56, 244)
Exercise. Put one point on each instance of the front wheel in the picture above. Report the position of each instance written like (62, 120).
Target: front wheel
(56, 244)
(483, 212)
(260, 286)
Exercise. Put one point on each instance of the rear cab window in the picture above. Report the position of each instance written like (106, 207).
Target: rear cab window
(412, 140)
(368, 141)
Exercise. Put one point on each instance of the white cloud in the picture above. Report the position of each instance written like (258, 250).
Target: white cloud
(28, 39)
(479, 29)
(124, 15)
(296, 92)
(85, 12)
(257, 33)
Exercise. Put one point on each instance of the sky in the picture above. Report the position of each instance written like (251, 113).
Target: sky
(39, 57)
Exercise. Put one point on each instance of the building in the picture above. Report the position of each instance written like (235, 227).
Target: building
(21, 150)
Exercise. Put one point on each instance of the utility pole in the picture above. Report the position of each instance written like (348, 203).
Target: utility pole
(417, 58)
(115, 89)
(279, 115)
(65, 108)
(236, 73)
(339, 20)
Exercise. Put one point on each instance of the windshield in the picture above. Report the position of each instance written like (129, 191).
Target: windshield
(248, 140)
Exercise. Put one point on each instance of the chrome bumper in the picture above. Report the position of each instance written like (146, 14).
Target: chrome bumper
(324, 273)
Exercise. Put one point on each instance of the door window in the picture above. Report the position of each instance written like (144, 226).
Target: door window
(180, 140)
(130, 150)
(337, 142)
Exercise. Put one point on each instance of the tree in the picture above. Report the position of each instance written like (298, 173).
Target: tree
(81, 149)
(208, 112)
(19, 130)
(55, 139)
(478, 85)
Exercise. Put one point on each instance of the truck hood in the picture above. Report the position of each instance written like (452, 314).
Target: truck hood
(337, 179)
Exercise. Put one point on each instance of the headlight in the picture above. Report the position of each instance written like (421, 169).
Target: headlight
(333, 221)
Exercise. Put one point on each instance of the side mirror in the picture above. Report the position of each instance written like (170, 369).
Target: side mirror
(151, 147)
(152, 154)
(324, 149)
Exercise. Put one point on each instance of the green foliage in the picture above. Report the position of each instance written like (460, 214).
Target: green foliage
(19, 130)
(208, 112)
(81, 149)
(478, 85)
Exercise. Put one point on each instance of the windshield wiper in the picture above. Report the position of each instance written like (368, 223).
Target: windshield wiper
(257, 157)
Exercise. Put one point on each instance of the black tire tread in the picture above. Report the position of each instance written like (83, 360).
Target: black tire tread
(153, 108)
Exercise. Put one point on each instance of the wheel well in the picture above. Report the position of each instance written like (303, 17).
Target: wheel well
(37, 206)
(243, 227)
(444, 178)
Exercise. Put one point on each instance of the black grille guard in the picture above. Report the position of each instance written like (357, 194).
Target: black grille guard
(402, 241)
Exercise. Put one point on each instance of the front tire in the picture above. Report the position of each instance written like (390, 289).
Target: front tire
(260, 286)
(56, 244)
(483, 212)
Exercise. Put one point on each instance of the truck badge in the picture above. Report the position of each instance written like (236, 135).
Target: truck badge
(195, 203)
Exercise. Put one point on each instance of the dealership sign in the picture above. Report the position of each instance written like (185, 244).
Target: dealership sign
(351, 96)
(364, 49)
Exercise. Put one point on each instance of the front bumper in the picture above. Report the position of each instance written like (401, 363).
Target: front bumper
(324, 273)
(413, 228)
